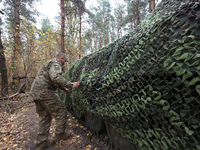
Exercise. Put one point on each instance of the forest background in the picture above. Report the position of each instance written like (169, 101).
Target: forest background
(76, 30)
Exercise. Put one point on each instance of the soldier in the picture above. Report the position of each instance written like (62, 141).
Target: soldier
(48, 104)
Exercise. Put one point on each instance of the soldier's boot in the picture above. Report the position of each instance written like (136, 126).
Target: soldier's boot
(63, 136)
(45, 144)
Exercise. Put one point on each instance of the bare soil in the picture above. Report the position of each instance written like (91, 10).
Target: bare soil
(18, 129)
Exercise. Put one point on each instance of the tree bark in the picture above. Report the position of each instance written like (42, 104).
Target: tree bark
(100, 42)
(16, 37)
(62, 26)
(138, 12)
(80, 46)
(3, 68)
(152, 5)
(150, 9)
(133, 23)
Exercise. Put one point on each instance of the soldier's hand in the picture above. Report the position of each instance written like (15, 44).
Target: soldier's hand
(76, 84)
(67, 90)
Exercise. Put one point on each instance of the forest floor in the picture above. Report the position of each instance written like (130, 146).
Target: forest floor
(18, 129)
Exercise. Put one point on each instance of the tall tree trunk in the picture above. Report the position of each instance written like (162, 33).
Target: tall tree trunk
(3, 68)
(113, 35)
(134, 23)
(80, 46)
(16, 38)
(93, 38)
(106, 34)
(106, 38)
(118, 32)
(152, 5)
(62, 25)
(100, 42)
(138, 12)
(150, 9)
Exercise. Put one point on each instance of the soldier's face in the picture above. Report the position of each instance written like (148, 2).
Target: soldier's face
(63, 60)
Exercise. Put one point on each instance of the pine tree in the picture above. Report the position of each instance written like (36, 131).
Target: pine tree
(62, 7)
(17, 10)
(134, 10)
(3, 69)
(119, 12)
(101, 31)
(46, 25)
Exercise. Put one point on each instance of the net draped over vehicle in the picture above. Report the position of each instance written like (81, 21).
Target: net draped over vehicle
(146, 85)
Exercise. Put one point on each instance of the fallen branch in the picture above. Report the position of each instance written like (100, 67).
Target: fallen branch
(8, 97)
(20, 90)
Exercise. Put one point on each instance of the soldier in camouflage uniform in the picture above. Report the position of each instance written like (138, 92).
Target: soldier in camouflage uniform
(48, 103)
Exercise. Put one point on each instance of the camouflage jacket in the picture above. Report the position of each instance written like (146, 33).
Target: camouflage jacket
(48, 79)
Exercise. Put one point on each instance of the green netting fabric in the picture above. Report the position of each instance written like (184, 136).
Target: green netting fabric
(147, 86)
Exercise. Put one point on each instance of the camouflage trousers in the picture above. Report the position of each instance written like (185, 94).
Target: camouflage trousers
(47, 109)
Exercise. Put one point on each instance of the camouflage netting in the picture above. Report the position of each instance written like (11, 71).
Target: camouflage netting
(147, 86)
